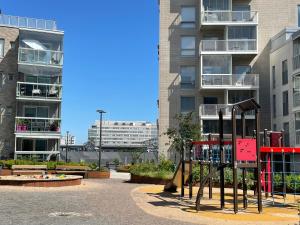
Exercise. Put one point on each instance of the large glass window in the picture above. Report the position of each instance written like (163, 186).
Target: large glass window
(296, 53)
(40, 111)
(242, 69)
(284, 72)
(1, 47)
(41, 145)
(298, 15)
(273, 77)
(296, 91)
(27, 145)
(188, 16)
(216, 5)
(286, 133)
(216, 64)
(242, 32)
(285, 103)
(238, 96)
(187, 74)
(187, 104)
(188, 46)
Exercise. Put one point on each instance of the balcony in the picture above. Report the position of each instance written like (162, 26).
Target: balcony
(232, 46)
(234, 81)
(38, 91)
(40, 57)
(29, 23)
(211, 111)
(229, 17)
(33, 126)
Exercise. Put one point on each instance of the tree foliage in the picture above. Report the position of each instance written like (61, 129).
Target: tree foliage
(187, 129)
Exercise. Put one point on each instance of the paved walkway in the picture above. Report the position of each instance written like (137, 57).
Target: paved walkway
(98, 202)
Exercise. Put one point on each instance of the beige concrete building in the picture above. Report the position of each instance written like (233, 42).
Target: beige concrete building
(213, 53)
(31, 60)
(285, 84)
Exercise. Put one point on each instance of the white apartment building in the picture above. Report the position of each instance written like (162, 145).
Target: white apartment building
(285, 84)
(123, 134)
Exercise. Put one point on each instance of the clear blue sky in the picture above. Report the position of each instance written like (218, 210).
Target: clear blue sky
(110, 59)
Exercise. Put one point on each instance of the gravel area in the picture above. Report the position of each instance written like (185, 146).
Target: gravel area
(94, 202)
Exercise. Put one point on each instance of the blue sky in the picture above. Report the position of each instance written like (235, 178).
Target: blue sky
(110, 59)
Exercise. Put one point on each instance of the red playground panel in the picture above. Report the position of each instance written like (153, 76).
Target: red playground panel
(245, 149)
(280, 150)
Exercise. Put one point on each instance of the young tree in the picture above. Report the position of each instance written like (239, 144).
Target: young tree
(187, 129)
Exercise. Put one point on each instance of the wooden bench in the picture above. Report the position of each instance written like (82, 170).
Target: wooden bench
(28, 169)
(72, 170)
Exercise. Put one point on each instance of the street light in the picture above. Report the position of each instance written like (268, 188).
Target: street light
(101, 112)
(67, 146)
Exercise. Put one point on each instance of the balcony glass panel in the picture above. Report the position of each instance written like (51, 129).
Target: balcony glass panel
(229, 17)
(33, 125)
(38, 90)
(229, 45)
(231, 80)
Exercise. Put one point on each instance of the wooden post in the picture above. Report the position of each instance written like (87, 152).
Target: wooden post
(245, 197)
(234, 162)
(222, 160)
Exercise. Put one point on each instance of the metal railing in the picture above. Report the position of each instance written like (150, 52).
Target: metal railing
(44, 57)
(229, 17)
(233, 45)
(38, 90)
(34, 124)
(24, 22)
(214, 109)
(234, 80)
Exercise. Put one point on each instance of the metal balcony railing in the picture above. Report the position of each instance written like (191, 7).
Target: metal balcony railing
(38, 90)
(234, 80)
(234, 45)
(43, 57)
(35, 125)
(214, 109)
(24, 22)
(229, 17)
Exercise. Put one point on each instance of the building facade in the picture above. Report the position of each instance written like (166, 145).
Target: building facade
(124, 134)
(285, 84)
(30, 87)
(214, 53)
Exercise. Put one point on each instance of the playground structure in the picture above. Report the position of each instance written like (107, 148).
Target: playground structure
(239, 152)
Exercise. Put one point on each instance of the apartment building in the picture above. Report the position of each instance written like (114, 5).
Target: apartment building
(124, 134)
(31, 52)
(214, 53)
(285, 84)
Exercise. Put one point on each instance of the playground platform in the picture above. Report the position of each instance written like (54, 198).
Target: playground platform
(153, 200)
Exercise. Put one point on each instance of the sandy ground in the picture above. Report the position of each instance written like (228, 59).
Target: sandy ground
(154, 201)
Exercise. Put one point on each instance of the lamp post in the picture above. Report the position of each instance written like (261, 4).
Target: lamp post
(67, 146)
(101, 112)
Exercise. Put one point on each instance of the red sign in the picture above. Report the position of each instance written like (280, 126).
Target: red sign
(246, 149)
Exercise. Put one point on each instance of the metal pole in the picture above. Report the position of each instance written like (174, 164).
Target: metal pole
(222, 160)
(67, 146)
(234, 162)
(182, 169)
(190, 170)
(210, 167)
(258, 159)
(245, 197)
(100, 141)
(267, 175)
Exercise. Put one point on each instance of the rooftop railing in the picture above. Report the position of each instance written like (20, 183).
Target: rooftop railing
(44, 57)
(229, 17)
(38, 90)
(36, 125)
(232, 45)
(24, 22)
(234, 80)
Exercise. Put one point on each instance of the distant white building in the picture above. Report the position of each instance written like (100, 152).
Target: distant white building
(124, 134)
(70, 139)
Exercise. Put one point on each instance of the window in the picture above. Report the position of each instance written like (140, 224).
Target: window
(273, 77)
(27, 145)
(41, 145)
(1, 47)
(238, 96)
(12, 44)
(284, 72)
(274, 127)
(40, 111)
(216, 4)
(187, 74)
(210, 100)
(286, 134)
(187, 104)
(8, 110)
(298, 15)
(285, 103)
(216, 64)
(188, 16)
(274, 106)
(188, 46)
(10, 77)
(297, 127)
(242, 32)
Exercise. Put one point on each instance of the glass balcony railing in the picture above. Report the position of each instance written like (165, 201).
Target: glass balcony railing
(212, 110)
(24, 22)
(234, 80)
(43, 57)
(233, 45)
(37, 90)
(37, 125)
(216, 17)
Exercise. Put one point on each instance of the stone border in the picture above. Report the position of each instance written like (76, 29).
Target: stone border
(98, 175)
